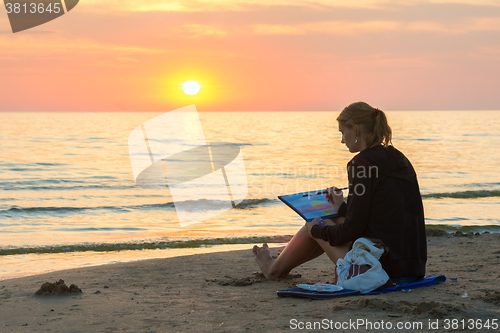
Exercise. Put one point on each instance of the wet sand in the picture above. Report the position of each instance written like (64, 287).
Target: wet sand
(223, 292)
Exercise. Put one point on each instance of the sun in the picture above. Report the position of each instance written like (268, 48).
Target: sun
(191, 87)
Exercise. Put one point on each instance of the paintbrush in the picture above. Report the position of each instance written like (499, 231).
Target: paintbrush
(323, 192)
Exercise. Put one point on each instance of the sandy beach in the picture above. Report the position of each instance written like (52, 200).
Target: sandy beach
(223, 292)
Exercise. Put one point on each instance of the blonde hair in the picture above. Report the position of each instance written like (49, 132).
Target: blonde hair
(374, 120)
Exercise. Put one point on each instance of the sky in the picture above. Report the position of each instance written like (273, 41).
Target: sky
(258, 55)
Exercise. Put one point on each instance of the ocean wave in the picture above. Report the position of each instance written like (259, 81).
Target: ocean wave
(470, 185)
(198, 243)
(63, 187)
(256, 202)
(465, 228)
(35, 210)
(463, 194)
(109, 247)
(201, 205)
(207, 205)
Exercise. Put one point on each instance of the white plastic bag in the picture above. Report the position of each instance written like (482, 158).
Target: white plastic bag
(352, 272)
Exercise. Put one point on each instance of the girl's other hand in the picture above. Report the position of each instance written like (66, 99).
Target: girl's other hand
(315, 221)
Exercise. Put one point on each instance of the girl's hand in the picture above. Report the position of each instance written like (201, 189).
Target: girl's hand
(335, 197)
(311, 224)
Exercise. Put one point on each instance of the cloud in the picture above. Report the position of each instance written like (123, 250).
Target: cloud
(270, 29)
(367, 27)
(332, 27)
(485, 24)
(245, 5)
(218, 5)
(28, 44)
(201, 30)
(495, 3)
(249, 5)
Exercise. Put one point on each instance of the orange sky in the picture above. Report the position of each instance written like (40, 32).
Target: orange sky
(123, 55)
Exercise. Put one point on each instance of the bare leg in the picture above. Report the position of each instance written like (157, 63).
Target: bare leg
(301, 248)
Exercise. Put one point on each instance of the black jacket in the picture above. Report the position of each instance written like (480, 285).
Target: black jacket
(384, 203)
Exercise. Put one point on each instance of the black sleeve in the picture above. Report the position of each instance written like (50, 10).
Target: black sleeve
(358, 210)
(343, 209)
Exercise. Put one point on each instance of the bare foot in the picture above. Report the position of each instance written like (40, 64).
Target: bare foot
(265, 261)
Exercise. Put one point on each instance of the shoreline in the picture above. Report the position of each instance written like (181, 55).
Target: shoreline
(34, 263)
(222, 291)
(76, 260)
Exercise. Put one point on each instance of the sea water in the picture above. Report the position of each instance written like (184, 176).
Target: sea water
(68, 197)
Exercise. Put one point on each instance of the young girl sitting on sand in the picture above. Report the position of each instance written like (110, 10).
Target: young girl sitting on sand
(384, 205)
